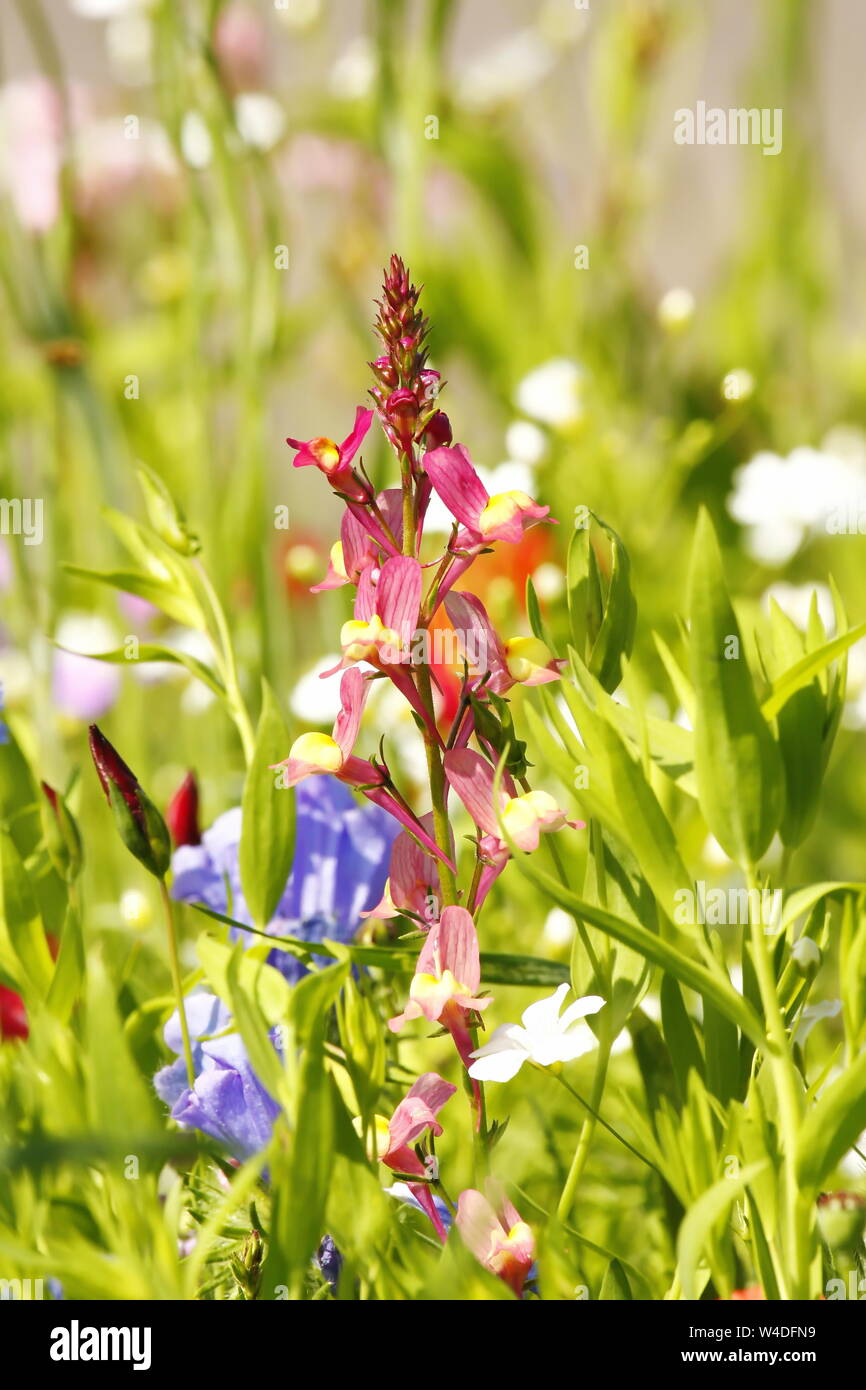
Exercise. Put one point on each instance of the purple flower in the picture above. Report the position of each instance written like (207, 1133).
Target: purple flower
(342, 852)
(228, 1101)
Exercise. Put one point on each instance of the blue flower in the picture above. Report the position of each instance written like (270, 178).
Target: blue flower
(342, 852)
(228, 1101)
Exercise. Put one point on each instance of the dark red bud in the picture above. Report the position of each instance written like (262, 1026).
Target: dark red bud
(438, 432)
(112, 770)
(140, 825)
(13, 1016)
(402, 410)
(182, 813)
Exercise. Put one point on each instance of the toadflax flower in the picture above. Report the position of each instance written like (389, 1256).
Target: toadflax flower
(497, 1235)
(316, 754)
(503, 517)
(525, 817)
(339, 870)
(447, 976)
(545, 1036)
(416, 1115)
(335, 460)
(516, 661)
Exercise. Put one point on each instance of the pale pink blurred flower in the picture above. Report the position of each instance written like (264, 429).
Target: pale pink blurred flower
(31, 141)
(240, 46)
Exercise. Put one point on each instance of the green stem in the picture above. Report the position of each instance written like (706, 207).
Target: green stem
(229, 671)
(788, 1094)
(177, 981)
(584, 1142)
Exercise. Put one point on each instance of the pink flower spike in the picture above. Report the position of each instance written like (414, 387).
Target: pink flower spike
(335, 460)
(503, 517)
(415, 1114)
(496, 1235)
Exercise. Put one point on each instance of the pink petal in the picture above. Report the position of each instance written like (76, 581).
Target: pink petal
(353, 695)
(470, 620)
(398, 595)
(432, 1089)
(472, 778)
(451, 472)
(352, 443)
(456, 942)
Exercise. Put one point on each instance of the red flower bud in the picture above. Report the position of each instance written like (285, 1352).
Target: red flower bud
(13, 1015)
(401, 409)
(438, 431)
(182, 813)
(141, 827)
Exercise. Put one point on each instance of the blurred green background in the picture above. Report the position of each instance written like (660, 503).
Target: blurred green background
(197, 200)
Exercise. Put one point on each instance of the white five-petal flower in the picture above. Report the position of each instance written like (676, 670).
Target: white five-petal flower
(545, 1036)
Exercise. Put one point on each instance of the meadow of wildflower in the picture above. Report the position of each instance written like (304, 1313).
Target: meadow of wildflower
(432, 653)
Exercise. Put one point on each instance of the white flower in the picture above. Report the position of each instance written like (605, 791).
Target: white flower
(558, 927)
(545, 1036)
(676, 309)
(814, 1013)
(782, 500)
(505, 72)
(195, 141)
(107, 9)
(260, 120)
(552, 393)
(525, 442)
(317, 701)
(354, 72)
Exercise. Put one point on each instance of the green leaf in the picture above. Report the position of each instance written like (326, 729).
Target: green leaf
(739, 769)
(253, 1029)
(602, 607)
(264, 985)
(832, 1126)
(148, 651)
(20, 921)
(68, 978)
(683, 968)
(615, 1286)
(119, 1101)
(680, 1036)
(700, 1220)
(314, 995)
(268, 817)
(163, 596)
(807, 668)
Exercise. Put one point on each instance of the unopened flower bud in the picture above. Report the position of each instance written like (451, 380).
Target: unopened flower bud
(164, 515)
(401, 409)
(141, 827)
(438, 431)
(806, 954)
(182, 813)
(13, 1016)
